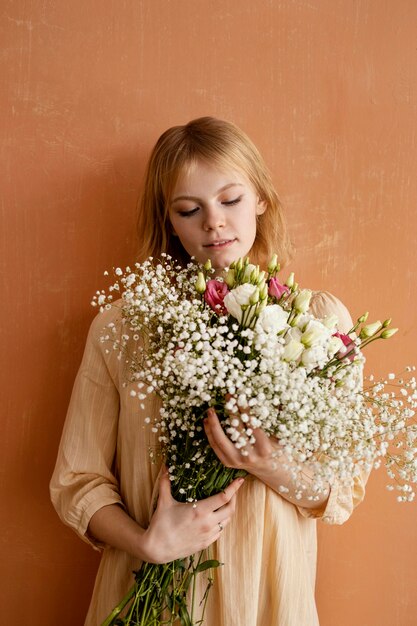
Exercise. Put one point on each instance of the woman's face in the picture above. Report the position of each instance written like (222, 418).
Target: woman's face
(213, 212)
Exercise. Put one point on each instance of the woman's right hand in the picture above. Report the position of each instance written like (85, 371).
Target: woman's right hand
(179, 529)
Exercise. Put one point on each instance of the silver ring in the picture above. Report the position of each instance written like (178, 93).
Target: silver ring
(220, 526)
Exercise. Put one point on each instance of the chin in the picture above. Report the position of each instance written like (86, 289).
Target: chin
(220, 264)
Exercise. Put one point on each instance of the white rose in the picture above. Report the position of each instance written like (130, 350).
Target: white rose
(293, 333)
(302, 301)
(302, 320)
(293, 350)
(238, 297)
(314, 333)
(272, 319)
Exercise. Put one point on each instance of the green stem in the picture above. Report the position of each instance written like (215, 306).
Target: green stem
(194, 586)
(119, 608)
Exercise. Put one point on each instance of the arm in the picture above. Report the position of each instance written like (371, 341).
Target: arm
(176, 530)
(83, 480)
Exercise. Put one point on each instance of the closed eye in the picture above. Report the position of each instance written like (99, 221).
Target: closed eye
(232, 202)
(188, 213)
(224, 203)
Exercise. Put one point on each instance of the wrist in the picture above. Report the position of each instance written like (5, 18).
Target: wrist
(148, 549)
(142, 548)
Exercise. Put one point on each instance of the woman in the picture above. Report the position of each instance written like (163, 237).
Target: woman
(207, 194)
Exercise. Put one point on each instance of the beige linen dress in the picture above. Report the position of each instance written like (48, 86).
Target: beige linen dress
(269, 548)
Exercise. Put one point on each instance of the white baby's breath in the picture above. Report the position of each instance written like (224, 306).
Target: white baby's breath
(262, 365)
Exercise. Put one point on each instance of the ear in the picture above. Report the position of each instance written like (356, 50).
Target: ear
(261, 207)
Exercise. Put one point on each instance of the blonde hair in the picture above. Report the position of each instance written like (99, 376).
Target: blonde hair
(218, 143)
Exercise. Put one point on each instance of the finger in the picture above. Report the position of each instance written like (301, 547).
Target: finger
(224, 497)
(221, 526)
(225, 512)
(223, 516)
(262, 443)
(219, 441)
(164, 487)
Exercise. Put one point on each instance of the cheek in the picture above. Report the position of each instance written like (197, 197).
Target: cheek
(251, 224)
(183, 234)
(178, 227)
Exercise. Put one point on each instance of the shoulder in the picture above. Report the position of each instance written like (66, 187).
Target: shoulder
(323, 304)
(107, 322)
(103, 345)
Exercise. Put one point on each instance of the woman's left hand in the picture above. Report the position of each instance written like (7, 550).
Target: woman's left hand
(261, 461)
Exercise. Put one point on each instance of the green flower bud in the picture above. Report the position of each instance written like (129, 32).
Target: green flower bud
(230, 278)
(239, 264)
(254, 275)
(200, 285)
(261, 306)
(263, 290)
(370, 330)
(362, 319)
(290, 280)
(273, 263)
(389, 332)
(254, 297)
(387, 322)
(261, 277)
(207, 265)
(248, 273)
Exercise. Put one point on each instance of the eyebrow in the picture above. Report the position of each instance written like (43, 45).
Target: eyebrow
(218, 191)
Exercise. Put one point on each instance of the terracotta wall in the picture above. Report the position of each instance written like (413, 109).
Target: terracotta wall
(328, 91)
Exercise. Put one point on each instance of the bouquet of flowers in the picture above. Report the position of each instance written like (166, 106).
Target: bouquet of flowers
(247, 345)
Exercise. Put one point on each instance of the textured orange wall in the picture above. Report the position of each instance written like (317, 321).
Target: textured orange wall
(328, 91)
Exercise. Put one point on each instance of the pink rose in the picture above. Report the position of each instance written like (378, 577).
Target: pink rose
(276, 289)
(349, 344)
(214, 295)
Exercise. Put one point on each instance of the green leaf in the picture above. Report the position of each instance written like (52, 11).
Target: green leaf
(207, 565)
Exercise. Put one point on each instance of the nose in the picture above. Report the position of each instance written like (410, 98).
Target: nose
(213, 218)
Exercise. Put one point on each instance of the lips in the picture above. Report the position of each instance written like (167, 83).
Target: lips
(219, 243)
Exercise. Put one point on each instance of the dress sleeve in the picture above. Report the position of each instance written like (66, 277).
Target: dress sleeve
(342, 500)
(83, 480)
